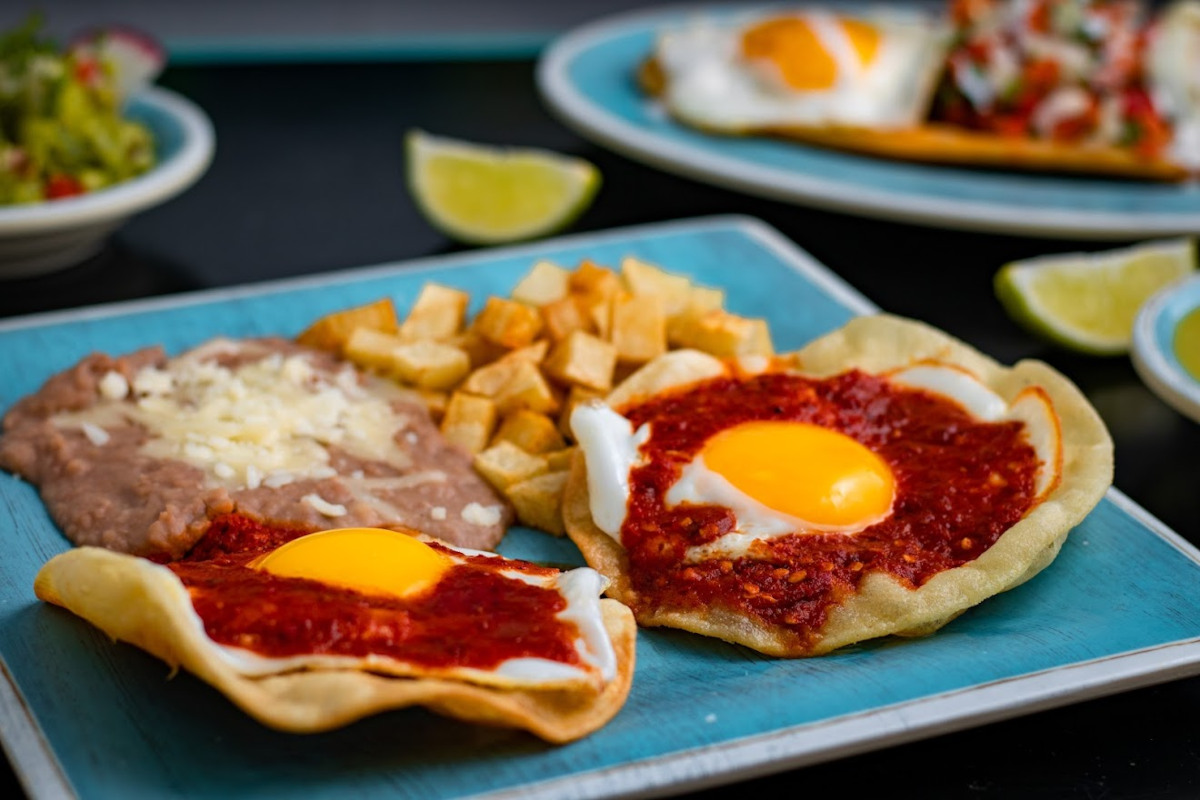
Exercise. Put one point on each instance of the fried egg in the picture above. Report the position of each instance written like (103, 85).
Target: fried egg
(805, 68)
(783, 478)
(386, 563)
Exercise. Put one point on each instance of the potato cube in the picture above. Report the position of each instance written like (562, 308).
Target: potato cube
(600, 314)
(577, 395)
(564, 316)
(639, 327)
(332, 331)
(430, 365)
(504, 464)
(534, 353)
(530, 431)
(508, 323)
(434, 401)
(469, 421)
(527, 388)
(583, 359)
(438, 313)
(559, 460)
(478, 349)
(593, 282)
(724, 335)
(545, 282)
(538, 501)
(646, 279)
(372, 349)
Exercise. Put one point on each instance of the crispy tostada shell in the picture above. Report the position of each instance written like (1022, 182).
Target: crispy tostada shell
(882, 605)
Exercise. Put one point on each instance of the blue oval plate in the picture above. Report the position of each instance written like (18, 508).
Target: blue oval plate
(588, 78)
(1153, 352)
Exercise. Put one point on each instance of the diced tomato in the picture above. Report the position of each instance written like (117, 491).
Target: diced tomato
(1039, 18)
(88, 72)
(58, 186)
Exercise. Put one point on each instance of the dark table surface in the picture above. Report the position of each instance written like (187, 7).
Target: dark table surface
(308, 178)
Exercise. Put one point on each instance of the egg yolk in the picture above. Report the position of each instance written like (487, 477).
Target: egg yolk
(370, 560)
(804, 63)
(806, 471)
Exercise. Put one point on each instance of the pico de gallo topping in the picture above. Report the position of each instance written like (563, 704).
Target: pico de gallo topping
(1063, 70)
(62, 128)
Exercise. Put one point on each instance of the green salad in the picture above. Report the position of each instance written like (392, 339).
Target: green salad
(62, 132)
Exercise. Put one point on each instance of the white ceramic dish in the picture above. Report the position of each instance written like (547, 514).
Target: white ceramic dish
(43, 237)
(1153, 353)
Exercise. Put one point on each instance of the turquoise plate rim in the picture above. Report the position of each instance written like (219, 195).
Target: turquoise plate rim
(786, 171)
(1153, 350)
(624, 758)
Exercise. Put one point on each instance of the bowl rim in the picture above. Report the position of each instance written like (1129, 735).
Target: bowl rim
(1153, 353)
(163, 181)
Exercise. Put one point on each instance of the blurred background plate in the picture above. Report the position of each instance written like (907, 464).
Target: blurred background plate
(42, 237)
(1159, 350)
(587, 77)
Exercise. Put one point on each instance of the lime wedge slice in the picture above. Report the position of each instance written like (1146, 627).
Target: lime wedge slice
(486, 195)
(1088, 301)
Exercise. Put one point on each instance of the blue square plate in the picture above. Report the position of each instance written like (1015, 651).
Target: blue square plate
(102, 720)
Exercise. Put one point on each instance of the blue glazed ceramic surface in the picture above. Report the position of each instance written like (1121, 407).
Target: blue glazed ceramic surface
(588, 77)
(1154, 354)
(115, 725)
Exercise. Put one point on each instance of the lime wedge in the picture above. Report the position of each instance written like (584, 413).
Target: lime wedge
(486, 195)
(1088, 301)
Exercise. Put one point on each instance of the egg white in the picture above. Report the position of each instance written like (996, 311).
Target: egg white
(611, 449)
(581, 588)
(711, 85)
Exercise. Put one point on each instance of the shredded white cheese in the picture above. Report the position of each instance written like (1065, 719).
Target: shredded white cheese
(113, 386)
(325, 507)
(95, 434)
(476, 514)
(438, 513)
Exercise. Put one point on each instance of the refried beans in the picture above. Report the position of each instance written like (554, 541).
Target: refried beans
(139, 453)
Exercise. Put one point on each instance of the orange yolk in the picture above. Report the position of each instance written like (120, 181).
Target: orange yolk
(370, 560)
(797, 51)
(818, 475)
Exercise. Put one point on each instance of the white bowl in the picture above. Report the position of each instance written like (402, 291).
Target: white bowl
(42, 237)
(1153, 350)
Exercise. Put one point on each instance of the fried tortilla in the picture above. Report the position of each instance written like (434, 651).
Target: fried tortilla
(143, 603)
(880, 604)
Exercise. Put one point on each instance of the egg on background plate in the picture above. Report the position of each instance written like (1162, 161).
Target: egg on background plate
(805, 68)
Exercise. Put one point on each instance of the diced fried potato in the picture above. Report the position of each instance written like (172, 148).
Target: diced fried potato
(562, 317)
(332, 331)
(545, 283)
(478, 349)
(674, 291)
(527, 388)
(508, 323)
(592, 281)
(504, 464)
(560, 459)
(438, 313)
(534, 353)
(372, 349)
(639, 327)
(724, 335)
(600, 314)
(583, 359)
(430, 365)
(577, 395)
(434, 401)
(538, 501)
(469, 421)
(530, 431)
(700, 300)
(489, 379)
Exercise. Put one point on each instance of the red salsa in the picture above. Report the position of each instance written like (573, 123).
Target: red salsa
(960, 484)
(474, 616)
